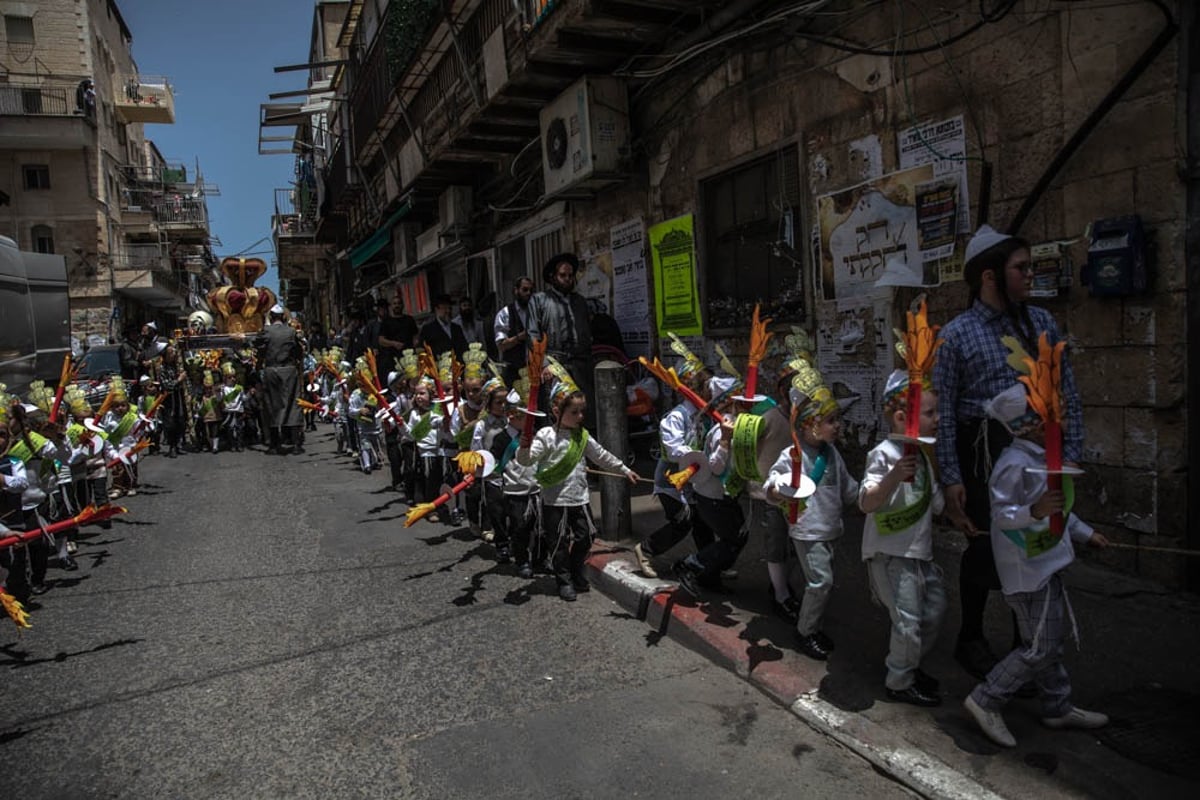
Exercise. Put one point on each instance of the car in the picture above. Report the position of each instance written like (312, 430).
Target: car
(96, 366)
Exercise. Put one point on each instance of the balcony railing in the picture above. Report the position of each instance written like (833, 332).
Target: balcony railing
(46, 101)
(296, 211)
(145, 98)
(182, 211)
(142, 257)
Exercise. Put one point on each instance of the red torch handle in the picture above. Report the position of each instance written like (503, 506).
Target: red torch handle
(1053, 465)
(797, 470)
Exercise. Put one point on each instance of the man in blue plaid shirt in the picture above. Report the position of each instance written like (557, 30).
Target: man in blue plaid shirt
(972, 368)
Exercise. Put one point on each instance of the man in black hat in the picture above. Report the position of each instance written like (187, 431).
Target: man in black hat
(562, 314)
(441, 333)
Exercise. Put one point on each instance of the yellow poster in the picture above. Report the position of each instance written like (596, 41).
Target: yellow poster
(673, 255)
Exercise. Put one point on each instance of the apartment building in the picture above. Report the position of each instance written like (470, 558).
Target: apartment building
(825, 159)
(79, 176)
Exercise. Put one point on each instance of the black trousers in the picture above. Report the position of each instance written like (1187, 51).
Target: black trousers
(429, 484)
(725, 519)
(26, 564)
(681, 520)
(394, 456)
(521, 526)
(569, 540)
(979, 442)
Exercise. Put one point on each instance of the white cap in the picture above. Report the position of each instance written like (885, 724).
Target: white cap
(985, 238)
(896, 382)
(393, 376)
(159, 347)
(277, 309)
(720, 385)
(145, 379)
(1011, 408)
(151, 325)
(513, 399)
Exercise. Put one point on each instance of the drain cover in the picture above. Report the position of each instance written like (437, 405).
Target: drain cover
(1157, 727)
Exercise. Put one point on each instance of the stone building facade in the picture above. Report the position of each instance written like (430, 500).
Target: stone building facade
(750, 116)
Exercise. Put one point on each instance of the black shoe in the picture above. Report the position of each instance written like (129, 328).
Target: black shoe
(1027, 691)
(825, 642)
(503, 556)
(713, 585)
(272, 451)
(67, 563)
(525, 571)
(926, 682)
(914, 696)
(298, 450)
(39, 588)
(688, 578)
(567, 592)
(975, 657)
(809, 646)
(581, 583)
(789, 609)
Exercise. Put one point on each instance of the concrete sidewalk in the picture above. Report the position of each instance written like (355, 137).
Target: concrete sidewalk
(1136, 662)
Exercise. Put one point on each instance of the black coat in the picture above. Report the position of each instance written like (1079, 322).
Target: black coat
(435, 336)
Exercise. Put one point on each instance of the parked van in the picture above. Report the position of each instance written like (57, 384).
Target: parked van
(35, 325)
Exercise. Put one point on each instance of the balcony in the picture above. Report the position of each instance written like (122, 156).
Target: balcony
(144, 98)
(43, 118)
(294, 225)
(145, 273)
(468, 99)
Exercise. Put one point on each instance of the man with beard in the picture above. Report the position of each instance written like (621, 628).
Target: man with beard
(441, 333)
(472, 326)
(511, 329)
(397, 333)
(281, 381)
(562, 315)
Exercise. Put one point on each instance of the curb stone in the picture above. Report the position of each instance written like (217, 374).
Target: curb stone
(612, 570)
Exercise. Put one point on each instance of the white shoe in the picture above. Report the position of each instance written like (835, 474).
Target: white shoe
(1077, 718)
(990, 722)
(730, 574)
(643, 561)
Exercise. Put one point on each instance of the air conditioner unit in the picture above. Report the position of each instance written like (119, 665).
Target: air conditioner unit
(584, 131)
(428, 243)
(454, 208)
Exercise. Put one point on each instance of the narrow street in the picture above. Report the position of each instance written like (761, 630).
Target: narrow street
(264, 627)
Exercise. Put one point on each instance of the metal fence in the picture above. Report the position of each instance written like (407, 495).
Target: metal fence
(38, 101)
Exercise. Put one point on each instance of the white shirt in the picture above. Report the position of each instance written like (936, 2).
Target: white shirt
(913, 541)
(821, 520)
(708, 483)
(427, 445)
(678, 437)
(549, 446)
(501, 323)
(1013, 492)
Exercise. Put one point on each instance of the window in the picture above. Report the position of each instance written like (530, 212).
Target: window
(18, 30)
(37, 176)
(751, 216)
(42, 238)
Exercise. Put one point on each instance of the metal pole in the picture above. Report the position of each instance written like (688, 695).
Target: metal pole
(614, 434)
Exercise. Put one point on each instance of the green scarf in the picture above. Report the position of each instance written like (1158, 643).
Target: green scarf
(891, 522)
(558, 472)
(125, 425)
(465, 434)
(1037, 540)
(21, 451)
(423, 426)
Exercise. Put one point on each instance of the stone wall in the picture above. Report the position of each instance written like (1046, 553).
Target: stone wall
(1023, 85)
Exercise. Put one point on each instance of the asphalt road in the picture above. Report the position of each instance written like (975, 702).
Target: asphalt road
(264, 627)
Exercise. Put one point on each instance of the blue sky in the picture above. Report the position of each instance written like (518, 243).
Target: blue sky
(220, 56)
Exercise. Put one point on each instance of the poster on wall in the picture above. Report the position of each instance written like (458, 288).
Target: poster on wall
(676, 298)
(631, 305)
(595, 281)
(943, 144)
(855, 356)
(870, 233)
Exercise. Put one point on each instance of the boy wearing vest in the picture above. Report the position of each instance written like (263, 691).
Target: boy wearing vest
(520, 507)
(463, 421)
(233, 401)
(818, 520)
(120, 423)
(393, 432)
(558, 452)
(716, 507)
(1029, 560)
(680, 432)
(491, 434)
(900, 495)
(425, 425)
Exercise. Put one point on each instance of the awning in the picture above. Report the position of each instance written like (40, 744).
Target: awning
(376, 241)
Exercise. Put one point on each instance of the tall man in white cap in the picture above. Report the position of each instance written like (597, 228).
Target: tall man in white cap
(971, 369)
(282, 352)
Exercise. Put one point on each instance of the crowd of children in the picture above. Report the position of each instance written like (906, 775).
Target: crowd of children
(732, 462)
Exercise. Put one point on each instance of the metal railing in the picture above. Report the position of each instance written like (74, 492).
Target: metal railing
(141, 257)
(182, 210)
(296, 210)
(46, 101)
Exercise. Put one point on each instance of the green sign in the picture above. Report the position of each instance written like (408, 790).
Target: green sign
(676, 300)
